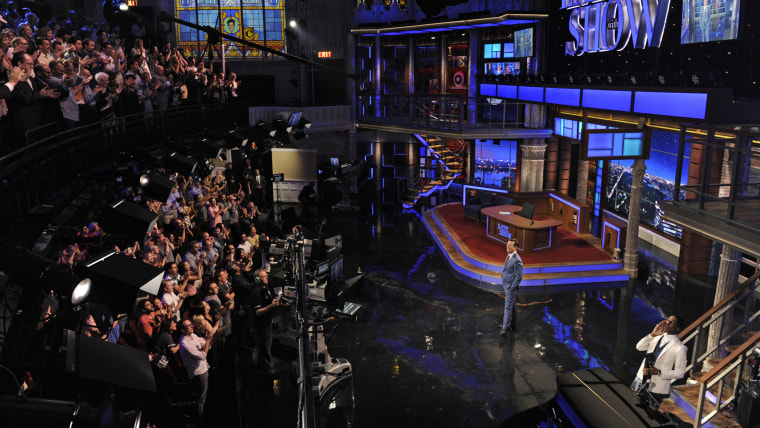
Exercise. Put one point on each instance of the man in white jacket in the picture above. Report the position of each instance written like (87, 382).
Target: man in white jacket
(668, 355)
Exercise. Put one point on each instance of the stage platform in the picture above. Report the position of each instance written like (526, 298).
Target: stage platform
(478, 259)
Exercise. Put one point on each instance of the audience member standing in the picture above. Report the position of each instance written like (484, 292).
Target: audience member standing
(193, 351)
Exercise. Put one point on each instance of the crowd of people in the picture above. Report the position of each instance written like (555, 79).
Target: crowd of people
(214, 298)
(61, 76)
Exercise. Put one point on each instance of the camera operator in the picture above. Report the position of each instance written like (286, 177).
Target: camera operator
(666, 357)
(266, 305)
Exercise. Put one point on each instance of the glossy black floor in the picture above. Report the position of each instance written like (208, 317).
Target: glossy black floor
(426, 349)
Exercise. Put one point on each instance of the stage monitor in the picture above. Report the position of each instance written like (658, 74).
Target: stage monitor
(336, 269)
(334, 161)
(502, 68)
(295, 118)
(709, 21)
(278, 177)
(527, 210)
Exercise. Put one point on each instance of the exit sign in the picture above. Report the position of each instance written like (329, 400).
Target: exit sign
(324, 54)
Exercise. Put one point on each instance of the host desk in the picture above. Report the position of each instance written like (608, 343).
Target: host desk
(502, 224)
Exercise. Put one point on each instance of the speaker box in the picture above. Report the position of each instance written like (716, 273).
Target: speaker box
(128, 218)
(748, 409)
(182, 164)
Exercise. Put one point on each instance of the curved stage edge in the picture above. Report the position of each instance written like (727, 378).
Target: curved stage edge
(486, 274)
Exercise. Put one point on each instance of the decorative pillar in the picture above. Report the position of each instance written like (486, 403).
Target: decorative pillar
(378, 165)
(377, 69)
(581, 188)
(728, 280)
(532, 166)
(631, 257)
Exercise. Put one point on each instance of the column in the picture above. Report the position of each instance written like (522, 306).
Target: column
(728, 280)
(472, 87)
(581, 188)
(631, 257)
(532, 166)
(378, 75)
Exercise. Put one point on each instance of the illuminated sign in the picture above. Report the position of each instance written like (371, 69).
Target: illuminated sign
(599, 26)
(324, 54)
(504, 231)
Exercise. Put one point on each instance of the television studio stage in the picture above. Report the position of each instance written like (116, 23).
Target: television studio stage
(478, 259)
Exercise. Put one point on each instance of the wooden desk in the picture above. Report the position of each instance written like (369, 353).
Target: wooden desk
(533, 235)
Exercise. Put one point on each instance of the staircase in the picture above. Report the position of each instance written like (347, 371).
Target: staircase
(718, 370)
(451, 154)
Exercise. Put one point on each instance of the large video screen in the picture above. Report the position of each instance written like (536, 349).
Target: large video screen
(524, 43)
(659, 182)
(709, 20)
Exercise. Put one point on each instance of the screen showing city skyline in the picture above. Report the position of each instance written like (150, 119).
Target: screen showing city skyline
(659, 182)
(496, 162)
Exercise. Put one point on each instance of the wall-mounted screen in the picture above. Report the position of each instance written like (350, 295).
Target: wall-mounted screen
(501, 68)
(498, 50)
(524, 43)
(709, 20)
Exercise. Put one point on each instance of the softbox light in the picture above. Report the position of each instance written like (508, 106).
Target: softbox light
(106, 362)
(156, 186)
(117, 279)
(127, 217)
(179, 163)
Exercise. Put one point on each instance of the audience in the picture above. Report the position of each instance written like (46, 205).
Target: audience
(91, 63)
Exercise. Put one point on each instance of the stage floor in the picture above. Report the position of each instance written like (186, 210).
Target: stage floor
(478, 260)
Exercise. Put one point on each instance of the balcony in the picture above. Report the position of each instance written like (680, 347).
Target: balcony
(721, 197)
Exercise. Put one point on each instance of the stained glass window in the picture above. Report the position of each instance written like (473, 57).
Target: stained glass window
(258, 21)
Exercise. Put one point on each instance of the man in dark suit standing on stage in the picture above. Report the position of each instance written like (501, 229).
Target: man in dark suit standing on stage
(511, 277)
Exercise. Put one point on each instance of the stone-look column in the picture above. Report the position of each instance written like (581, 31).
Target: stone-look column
(581, 188)
(631, 257)
(728, 280)
(532, 166)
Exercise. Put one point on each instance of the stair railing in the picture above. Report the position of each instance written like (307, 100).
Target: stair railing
(693, 335)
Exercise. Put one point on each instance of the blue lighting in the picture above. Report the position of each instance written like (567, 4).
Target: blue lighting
(580, 268)
(506, 91)
(692, 105)
(607, 100)
(531, 93)
(604, 232)
(488, 89)
(563, 334)
(615, 144)
(563, 96)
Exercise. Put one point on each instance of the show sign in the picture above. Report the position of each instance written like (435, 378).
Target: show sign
(599, 26)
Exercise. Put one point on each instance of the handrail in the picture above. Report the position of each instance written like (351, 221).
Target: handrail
(733, 364)
(707, 315)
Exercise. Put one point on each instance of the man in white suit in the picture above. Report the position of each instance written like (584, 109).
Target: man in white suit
(668, 354)
(511, 277)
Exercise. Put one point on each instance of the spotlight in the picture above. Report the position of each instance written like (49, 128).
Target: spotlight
(293, 23)
(81, 291)
(123, 6)
(144, 180)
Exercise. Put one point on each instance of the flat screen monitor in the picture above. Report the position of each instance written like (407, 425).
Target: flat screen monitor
(709, 20)
(527, 210)
(295, 117)
(323, 268)
(502, 68)
(524, 43)
(334, 161)
(336, 269)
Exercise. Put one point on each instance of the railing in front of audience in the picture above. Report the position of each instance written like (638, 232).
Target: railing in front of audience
(50, 171)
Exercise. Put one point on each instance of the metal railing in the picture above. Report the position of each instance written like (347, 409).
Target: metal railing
(731, 367)
(443, 111)
(53, 169)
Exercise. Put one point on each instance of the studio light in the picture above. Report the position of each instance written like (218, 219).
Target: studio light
(293, 23)
(123, 6)
(156, 186)
(81, 291)
(144, 180)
